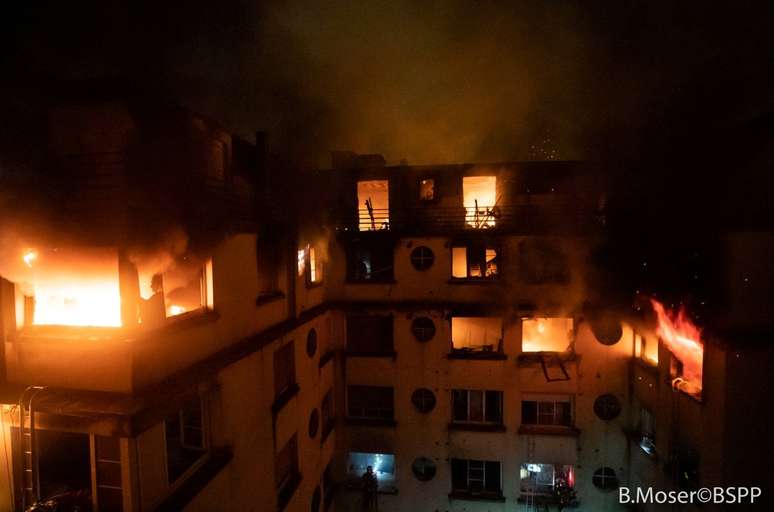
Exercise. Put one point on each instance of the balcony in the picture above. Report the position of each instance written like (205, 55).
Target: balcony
(524, 218)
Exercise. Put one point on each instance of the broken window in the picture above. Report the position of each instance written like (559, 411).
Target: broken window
(475, 261)
(477, 406)
(477, 334)
(370, 261)
(284, 370)
(383, 465)
(546, 410)
(373, 199)
(543, 479)
(370, 334)
(546, 334)
(370, 402)
(286, 471)
(476, 477)
(185, 439)
(426, 189)
(480, 201)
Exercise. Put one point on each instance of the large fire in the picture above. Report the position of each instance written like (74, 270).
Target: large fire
(683, 339)
(78, 288)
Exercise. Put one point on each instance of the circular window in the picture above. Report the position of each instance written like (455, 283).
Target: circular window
(605, 479)
(311, 342)
(608, 331)
(316, 499)
(423, 399)
(314, 423)
(607, 407)
(422, 257)
(423, 468)
(423, 328)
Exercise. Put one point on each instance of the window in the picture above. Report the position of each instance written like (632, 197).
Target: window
(311, 342)
(605, 479)
(370, 402)
(546, 410)
(286, 471)
(328, 417)
(284, 370)
(301, 259)
(426, 189)
(423, 468)
(423, 399)
(477, 334)
(314, 423)
(479, 199)
(645, 349)
(423, 328)
(476, 477)
(310, 265)
(373, 199)
(477, 406)
(383, 465)
(268, 260)
(180, 289)
(546, 334)
(607, 407)
(369, 335)
(422, 258)
(475, 261)
(544, 479)
(107, 452)
(370, 261)
(647, 428)
(185, 439)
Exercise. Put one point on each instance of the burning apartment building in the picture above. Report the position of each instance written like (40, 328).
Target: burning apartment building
(183, 329)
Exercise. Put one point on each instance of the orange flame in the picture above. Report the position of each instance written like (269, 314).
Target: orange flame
(683, 339)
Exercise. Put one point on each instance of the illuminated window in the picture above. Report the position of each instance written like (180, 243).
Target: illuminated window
(475, 261)
(477, 334)
(476, 477)
(544, 479)
(310, 265)
(383, 465)
(426, 189)
(646, 349)
(477, 406)
(479, 199)
(301, 258)
(546, 410)
(373, 199)
(546, 334)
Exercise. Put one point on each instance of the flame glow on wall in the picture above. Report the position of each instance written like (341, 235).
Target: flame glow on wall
(78, 288)
(683, 339)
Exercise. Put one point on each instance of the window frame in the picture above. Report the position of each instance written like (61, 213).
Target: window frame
(484, 491)
(481, 248)
(285, 351)
(484, 401)
(555, 415)
(366, 398)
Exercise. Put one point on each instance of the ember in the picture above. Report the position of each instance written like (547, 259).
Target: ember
(683, 339)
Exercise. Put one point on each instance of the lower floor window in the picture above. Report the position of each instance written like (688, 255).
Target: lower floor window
(546, 479)
(185, 439)
(382, 465)
(476, 476)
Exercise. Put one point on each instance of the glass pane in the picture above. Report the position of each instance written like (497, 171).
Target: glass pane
(476, 405)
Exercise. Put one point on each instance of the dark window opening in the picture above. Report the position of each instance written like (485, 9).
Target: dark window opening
(423, 399)
(185, 439)
(540, 262)
(476, 477)
(369, 334)
(268, 260)
(328, 418)
(328, 485)
(370, 402)
(546, 412)
(605, 479)
(284, 370)
(311, 342)
(477, 406)
(286, 471)
(370, 261)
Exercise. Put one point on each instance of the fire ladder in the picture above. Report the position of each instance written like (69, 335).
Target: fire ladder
(29, 460)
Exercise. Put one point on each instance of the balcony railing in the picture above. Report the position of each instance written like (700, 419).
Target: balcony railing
(508, 218)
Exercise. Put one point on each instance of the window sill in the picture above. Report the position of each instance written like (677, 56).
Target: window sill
(473, 280)
(480, 354)
(284, 397)
(285, 494)
(549, 430)
(467, 496)
(326, 357)
(477, 427)
(266, 298)
(371, 422)
(353, 353)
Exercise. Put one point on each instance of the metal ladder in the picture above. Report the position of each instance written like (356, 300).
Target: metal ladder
(30, 483)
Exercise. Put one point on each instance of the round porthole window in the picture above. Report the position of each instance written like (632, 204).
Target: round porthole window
(423, 328)
(423, 399)
(316, 498)
(314, 423)
(311, 342)
(605, 479)
(608, 331)
(423, 468)
(607, 407)
(422, 257)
